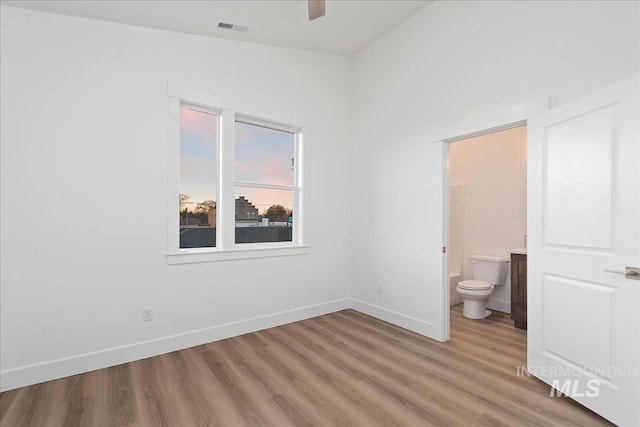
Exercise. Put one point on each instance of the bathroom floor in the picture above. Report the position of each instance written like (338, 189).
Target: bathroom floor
(496, 316)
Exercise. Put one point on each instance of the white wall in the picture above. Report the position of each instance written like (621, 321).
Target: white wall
(83, 140)
(493, 169)
(449, 65)
(84, 192)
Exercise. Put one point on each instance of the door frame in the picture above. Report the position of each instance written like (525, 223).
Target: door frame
(446, 167)
(481, 122)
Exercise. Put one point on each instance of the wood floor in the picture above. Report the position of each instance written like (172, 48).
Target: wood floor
(344, 368)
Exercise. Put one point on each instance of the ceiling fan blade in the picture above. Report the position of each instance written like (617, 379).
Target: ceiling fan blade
(316, 9)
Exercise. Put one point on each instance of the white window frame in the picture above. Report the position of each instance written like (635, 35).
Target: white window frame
(226, 247)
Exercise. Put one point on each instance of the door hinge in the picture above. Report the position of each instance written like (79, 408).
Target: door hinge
(444, 249)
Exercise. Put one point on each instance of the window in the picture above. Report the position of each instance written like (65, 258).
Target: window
(198, 177)
(235, 185)
(264, 189)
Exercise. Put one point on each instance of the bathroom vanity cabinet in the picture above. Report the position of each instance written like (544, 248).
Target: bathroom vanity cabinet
(519, 290)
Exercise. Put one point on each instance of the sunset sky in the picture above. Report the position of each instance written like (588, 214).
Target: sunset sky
(262, 155)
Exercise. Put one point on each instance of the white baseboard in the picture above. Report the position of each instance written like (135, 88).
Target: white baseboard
(411, 323)
(60, 368)
(54, 369)
(499, 305)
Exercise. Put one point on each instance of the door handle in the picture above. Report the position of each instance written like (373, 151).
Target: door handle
(632, 273)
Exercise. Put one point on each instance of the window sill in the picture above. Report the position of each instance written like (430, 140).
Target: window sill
(208, 255)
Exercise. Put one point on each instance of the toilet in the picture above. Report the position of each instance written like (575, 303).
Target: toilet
(487, 272)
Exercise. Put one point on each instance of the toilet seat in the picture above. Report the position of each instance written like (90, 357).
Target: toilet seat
(475, 285)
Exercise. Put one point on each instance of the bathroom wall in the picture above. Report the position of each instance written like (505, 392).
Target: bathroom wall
(456, 227)
(456, 239)
(493, 170)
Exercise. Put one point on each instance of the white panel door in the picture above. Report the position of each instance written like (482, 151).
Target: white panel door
(583, 226)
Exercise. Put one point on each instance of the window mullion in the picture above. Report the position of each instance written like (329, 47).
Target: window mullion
(226, 187)
(173, 167)
(299, 221)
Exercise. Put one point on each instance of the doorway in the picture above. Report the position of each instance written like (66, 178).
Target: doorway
(486, 204)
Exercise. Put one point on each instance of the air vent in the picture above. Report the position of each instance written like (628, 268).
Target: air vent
(226, 26)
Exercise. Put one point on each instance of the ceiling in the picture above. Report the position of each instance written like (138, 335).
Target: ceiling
(348, 25)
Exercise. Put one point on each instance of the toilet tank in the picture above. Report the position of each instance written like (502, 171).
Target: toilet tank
(491, 269)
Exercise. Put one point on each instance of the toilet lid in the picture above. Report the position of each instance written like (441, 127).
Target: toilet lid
(474, 285)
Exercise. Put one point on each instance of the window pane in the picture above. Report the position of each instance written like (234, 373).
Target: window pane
(198, 178)
(263, 155)
(263, 215)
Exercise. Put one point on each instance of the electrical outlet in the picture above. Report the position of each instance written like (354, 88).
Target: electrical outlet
(147, 314)
(379, 288)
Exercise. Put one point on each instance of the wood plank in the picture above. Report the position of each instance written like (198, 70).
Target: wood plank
(343, 368)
